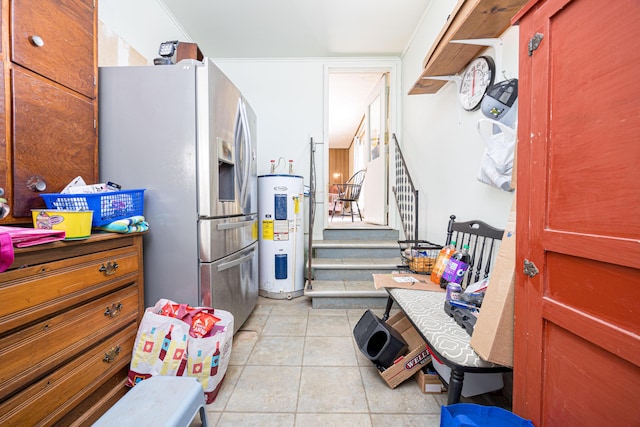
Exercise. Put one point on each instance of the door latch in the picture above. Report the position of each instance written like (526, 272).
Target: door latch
(530, 268)
(534, 42)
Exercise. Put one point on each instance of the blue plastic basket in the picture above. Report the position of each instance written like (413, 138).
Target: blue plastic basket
(107, 207)
(474, 415)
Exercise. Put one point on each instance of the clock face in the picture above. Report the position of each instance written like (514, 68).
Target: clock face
(477, 78)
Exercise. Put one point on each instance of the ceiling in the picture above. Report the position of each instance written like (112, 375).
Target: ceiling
(306, 29)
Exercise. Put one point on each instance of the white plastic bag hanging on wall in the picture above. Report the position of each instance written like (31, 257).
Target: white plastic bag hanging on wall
(497, 161)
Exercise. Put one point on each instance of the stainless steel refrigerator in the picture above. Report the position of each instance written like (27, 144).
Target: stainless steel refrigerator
(186, 134)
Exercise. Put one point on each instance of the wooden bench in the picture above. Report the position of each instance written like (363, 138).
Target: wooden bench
(446, 340)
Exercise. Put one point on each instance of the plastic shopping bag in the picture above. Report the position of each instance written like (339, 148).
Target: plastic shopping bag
(179, 340)
(160, 347)
(497, 161)
(208, 357)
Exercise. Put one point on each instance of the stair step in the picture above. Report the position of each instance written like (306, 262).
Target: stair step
(356, 243)
(343, 264)
(355, 249)
(346, 294)
(353, 269)
(361, 233)
(356, 263)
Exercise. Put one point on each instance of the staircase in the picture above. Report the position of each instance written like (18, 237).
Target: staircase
(343, 264)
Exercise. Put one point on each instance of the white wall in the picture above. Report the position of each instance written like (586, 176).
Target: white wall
(440, 142)
(143, 24)
(287, 96)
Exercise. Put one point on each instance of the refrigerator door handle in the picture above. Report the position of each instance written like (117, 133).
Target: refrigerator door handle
(243, 128)
(233, 225)
(235, 262)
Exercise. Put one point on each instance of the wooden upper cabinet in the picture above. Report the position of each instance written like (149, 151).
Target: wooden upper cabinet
(53, 139)
(55, 38)
(50, 107)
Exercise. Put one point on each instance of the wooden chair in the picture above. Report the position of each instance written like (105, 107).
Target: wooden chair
(447, 341)
(350, 192)
(483, 241)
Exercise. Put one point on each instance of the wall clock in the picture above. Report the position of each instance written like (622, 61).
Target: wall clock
(477, 78)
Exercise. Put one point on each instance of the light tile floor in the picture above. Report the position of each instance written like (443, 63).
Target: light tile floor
(292, 365)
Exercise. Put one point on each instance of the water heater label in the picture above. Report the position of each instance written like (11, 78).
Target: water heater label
(280, 206)
(267, 229)
(281, 230)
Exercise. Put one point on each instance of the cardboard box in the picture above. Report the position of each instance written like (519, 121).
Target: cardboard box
(429, 381)
(415, 358)
(492, 336)
(407, 281)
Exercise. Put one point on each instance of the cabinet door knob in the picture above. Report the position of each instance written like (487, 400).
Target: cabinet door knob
(114, 310)
(36, 184)
(111, 355)
(36, 40)
(109, 269)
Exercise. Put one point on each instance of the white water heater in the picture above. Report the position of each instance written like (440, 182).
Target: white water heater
(281, 235)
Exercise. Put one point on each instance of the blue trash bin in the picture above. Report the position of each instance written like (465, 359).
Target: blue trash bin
(473, 415)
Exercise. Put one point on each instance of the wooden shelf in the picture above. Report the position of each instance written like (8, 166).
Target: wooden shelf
(470, 19)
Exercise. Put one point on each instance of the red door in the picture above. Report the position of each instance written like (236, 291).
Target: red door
(577, 325)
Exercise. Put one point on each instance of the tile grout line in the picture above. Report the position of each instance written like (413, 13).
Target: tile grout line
(304, 345)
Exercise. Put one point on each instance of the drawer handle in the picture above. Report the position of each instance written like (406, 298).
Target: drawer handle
(114, 310)
(36, 40)
(111, 355)
(110, 268)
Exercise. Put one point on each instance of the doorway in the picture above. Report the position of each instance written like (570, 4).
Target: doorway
(353, 139)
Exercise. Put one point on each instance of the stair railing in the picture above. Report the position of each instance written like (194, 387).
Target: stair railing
(406, 196)
(312, 209)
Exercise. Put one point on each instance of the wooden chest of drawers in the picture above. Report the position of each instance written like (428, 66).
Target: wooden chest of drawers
(69, 313)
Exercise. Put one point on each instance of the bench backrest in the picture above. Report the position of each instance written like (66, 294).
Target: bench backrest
(483, 240)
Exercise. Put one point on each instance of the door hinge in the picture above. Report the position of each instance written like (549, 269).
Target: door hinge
(530, 268)
(534, 42)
